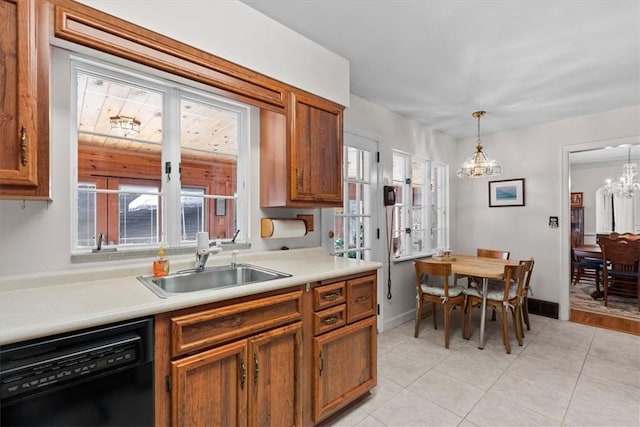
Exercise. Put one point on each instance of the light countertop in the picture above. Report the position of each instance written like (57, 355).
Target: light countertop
(37, 305)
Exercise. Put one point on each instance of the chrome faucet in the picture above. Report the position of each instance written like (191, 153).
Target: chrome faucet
(234, 258)
(203, 249)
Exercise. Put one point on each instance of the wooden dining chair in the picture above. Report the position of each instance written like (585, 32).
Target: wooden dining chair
(432, 285)
(504, 298)
(526, 288)
(620, 268)
(486, 253)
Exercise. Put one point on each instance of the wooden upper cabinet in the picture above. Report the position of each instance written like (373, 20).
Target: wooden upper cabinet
(24, 100)
(301, 154)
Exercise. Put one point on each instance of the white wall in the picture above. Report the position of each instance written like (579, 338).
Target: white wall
(536, 154)
(397, 132)
(234, 31)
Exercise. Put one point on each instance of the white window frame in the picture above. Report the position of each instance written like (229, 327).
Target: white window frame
(433, 209)
(173, 91)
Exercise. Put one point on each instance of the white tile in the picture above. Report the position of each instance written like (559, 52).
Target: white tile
(614, 371)
(616, 347)
(400, 369)
(381, 393)
(349, 418)
(538, 386)
(446, 391)
(553, 355)
(369, 421)
(494, 410)
(603, 402)
(410, 410)
(480, 368)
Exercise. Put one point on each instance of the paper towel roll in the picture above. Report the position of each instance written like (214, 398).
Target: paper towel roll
(282, 228)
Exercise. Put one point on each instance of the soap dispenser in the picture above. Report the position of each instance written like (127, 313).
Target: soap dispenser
(161, 265)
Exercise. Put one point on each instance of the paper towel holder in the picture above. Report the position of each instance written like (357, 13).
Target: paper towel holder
(267, 225)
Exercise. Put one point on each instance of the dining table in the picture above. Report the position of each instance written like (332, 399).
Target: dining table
(475, 266)
(593, 252)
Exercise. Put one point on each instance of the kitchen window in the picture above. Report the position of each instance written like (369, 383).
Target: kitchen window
(157, 161)
(420, 214)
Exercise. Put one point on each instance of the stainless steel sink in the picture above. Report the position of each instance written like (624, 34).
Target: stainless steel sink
(209, 278)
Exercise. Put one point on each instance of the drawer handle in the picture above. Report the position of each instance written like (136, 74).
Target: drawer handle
(363, 298)
(331, 296)
(330, 320)
(243, 373)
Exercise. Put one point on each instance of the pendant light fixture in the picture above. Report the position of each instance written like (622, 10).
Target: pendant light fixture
(125, 125)
(479, 165)
(628, 184)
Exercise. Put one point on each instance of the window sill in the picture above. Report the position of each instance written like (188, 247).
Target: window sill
(125, 254)
(404, 258)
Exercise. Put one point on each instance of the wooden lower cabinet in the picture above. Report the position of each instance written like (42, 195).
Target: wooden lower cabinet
(344, 366)
(253, 382)
(283, 358)
(209, 388)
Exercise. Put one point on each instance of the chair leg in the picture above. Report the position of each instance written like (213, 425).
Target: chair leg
(525, 313)
(505, 331)
(447, 317)
(468, 307)
(462, 318)
(435, 320)
(517, 323)
(493, 315)
(418, 318)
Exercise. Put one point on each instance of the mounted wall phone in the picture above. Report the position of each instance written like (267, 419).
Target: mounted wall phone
(389, 195)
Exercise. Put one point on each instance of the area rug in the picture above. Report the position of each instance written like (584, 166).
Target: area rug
(580, 297)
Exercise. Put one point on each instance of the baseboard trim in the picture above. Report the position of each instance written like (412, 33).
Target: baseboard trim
(543, 308)
(398, 320)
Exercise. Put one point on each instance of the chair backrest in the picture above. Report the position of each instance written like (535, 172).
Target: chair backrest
(628, 236)
(491, 253)
(528, 269)
(513, 273)
(620, 255)
(575, 239)
(426, 269)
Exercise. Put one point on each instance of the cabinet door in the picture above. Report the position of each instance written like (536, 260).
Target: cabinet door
(18, 156)
(24, 99)
(210, 388)
(275, 377)
(316, 151)
(344, 366)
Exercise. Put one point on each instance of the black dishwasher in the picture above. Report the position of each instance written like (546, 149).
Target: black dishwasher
(101, 376)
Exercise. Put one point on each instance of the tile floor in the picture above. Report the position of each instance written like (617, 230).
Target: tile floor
(565, 374)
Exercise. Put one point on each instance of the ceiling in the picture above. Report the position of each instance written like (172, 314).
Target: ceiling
(524, 62)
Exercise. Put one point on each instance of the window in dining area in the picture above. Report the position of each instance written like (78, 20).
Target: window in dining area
(420, 214)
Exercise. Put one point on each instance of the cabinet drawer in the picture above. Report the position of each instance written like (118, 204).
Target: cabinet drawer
(206, 328)
(361, 298)
(329, 319)
(329, 295)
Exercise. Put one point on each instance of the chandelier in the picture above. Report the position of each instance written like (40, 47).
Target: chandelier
(479, 164)
(628, 183)
(124, 125)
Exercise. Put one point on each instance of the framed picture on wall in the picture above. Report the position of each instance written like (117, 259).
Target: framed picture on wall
(576, 200)
(508, 192)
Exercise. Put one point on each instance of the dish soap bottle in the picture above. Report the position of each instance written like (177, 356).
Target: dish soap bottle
(161, 265)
